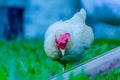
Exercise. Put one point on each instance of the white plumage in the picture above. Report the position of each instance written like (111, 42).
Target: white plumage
(81, 36)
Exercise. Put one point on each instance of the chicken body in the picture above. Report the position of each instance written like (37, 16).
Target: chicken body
(81, 36)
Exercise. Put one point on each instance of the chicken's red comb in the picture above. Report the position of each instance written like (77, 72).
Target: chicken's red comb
(62, 40)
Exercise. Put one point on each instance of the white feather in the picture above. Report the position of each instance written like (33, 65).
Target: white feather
(80, 39)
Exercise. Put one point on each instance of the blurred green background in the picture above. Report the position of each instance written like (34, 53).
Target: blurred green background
(26, 60)
(22, 27)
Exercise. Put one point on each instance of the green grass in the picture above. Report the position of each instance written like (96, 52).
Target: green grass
(26, 59)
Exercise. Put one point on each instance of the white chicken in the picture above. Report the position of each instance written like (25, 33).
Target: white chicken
(68, 41)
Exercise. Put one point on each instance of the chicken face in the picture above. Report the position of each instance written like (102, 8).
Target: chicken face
(61, 42)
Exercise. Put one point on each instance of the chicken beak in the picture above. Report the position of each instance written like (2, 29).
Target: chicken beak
(62, 51)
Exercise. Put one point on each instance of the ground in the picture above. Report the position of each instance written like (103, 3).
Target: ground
(26, 60)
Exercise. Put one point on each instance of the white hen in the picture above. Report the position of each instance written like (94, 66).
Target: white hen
(68, 41)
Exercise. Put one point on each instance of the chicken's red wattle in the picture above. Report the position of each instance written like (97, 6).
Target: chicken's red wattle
(62, 40)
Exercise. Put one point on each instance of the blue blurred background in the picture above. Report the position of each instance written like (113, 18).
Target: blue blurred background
(30, 18)
(22, 56)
